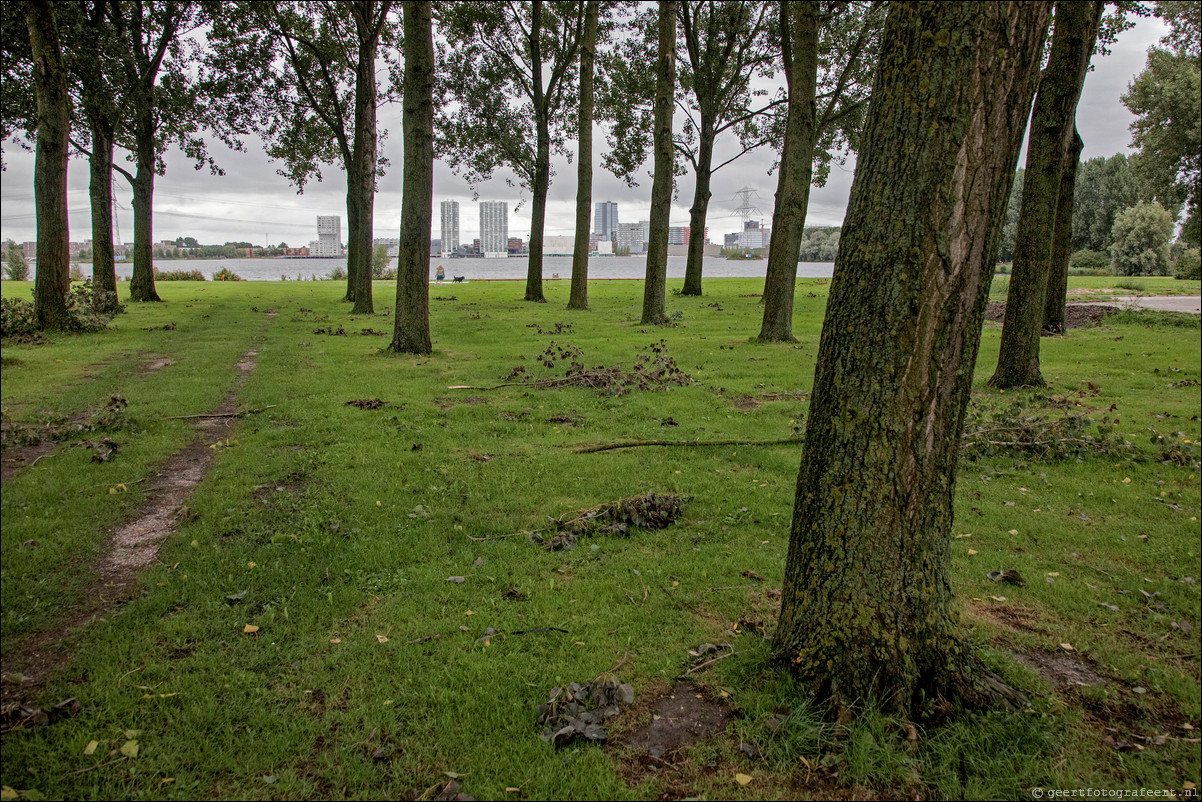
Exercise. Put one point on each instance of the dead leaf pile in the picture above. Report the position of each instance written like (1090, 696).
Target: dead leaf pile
(647, 511)
(582, 710)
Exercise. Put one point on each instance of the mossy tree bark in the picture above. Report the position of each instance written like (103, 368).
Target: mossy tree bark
(1057, 293)
(867, 604)
(100, 193)
(411, 329)
(141, 282)
(1052, 128)
(656, 283)
(52, 279)
(542, 163)
(701, 203)
(361, 173)
(799, 49)
(584, 159)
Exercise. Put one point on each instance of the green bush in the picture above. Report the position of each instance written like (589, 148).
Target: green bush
(225, 274)
(1089, 263)
(179, 275)
(1188, 265)
(1141, 241)
(88, 310)
(338, 274)
(16, 317)
(17, 268)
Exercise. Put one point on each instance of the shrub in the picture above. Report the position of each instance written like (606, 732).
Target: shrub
(1141, 241)
(338, 274)
(16, 317)
(178, 275)
(1089, 263)
(91, 311)
(1188, 265)
(17, 268)
(76, 272)
(225, 274)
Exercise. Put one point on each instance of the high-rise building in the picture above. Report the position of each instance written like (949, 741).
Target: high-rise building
(678, 235)
(605, 220)
(450, 228)
(630, 237)
(494, 229)
(329, 236)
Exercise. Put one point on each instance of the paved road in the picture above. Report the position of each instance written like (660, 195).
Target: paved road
(1171, 303)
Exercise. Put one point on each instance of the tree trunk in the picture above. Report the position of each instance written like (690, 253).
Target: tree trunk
(100, 192)
(538, 212)
(701, 202)
(867, 608)
(1057, 294)
(656, 283)
(363, 178)
(584, 159)
(1076, 28)
(52, 280)
(141, 283)
(799, 21)
(411, 332)
(352, 225)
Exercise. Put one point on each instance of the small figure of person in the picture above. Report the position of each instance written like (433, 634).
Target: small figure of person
(439, 274)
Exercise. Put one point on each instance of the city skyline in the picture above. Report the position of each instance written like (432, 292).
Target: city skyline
(251, 202)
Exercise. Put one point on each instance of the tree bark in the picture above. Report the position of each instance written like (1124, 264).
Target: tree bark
(361, 179)
(411, 332)
(52, 278)
(656, 283)
(701, 202)
(100, 193)
(1076, 28)
(542, 160)
(1057, 294)
(867, 608)
(141, 283)
(584, 159)
(799, 35)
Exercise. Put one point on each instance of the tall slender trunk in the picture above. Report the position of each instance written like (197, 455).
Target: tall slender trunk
(361, 179)
(52, 280)
(100, 193)
(141, 283)
(584, 159)
(538, 212)
(701, 202)
(656, 283)
(867, 610)
(411, 330)
(1057, 294)
(799, 21)
(1076, 28)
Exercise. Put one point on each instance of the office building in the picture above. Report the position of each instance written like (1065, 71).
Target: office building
(678, 235)
(494, 229)
(329, 237)
(450, 228)
(605, 220)
(630, 237)
(393, 244)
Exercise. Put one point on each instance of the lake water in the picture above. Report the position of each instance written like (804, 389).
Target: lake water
(599, 267)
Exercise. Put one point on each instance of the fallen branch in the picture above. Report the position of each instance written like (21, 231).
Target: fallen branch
(592, 449)
(218, 414)
(425, 638)
(710, 662)
(97, 766)
(540, 629)
(616, 667)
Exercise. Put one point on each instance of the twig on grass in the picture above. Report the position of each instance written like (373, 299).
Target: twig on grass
(540, 629)
(127, 673)
(425, 638)
(97, 766)
(620, 663)
(219, 414)
(710, 662)
(594, 448)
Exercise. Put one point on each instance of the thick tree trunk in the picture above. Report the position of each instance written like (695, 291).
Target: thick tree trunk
(538, 213)
(656, 284)
(867, 604)
(100, 193)
(1057, 294)
(411, 332)
(701, 203)
(584, 159)
(141, 283)
(52, 280)
(1076, 28)
(800, 30)
(363, 178)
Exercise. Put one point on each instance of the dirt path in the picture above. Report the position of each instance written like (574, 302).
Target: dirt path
(1169, 303)
(132, 546)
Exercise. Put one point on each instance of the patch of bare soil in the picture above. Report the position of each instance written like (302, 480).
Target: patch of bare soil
(745, 403)
(1010, 616)
(1062, 670)
(133, 546)
(679, 718)
(1075, 315)
(14, 459)
(154, 366)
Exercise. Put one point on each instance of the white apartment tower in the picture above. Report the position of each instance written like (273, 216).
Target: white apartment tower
(605, 220)
(450, 228)
(494, 229)
(329, 236)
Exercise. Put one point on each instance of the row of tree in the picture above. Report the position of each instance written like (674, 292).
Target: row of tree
(867, 609)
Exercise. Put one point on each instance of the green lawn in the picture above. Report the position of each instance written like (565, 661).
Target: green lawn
(344, 524)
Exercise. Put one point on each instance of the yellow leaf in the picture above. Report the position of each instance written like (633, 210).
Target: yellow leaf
(91, 747)
(335, 640)
(1068, 647)
(250, 565)
(1014, 531)
(130, 748)
(378, 504)
(469, 612)
(742, 779)
(998, 598)
(579, 643)
(381, 639)
(7, 793)
(513, 790)
(1054, 573)
(971, 552)
(166, 780)
(387, 701)
(122, 487)
(250, 629)
(724, 694)
(1127, 481)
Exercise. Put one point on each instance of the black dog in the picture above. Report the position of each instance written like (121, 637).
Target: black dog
(458, 279)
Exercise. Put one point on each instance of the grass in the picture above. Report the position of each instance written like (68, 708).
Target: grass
(343, 525)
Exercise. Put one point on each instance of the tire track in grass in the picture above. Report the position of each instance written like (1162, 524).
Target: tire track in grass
(132, 546)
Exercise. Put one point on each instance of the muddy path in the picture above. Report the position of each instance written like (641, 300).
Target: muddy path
(131, 547)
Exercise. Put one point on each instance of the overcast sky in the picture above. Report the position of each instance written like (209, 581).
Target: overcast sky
(251, 202)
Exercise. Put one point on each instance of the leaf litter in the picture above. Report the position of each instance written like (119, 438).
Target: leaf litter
(649, 510)
(582, 710)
